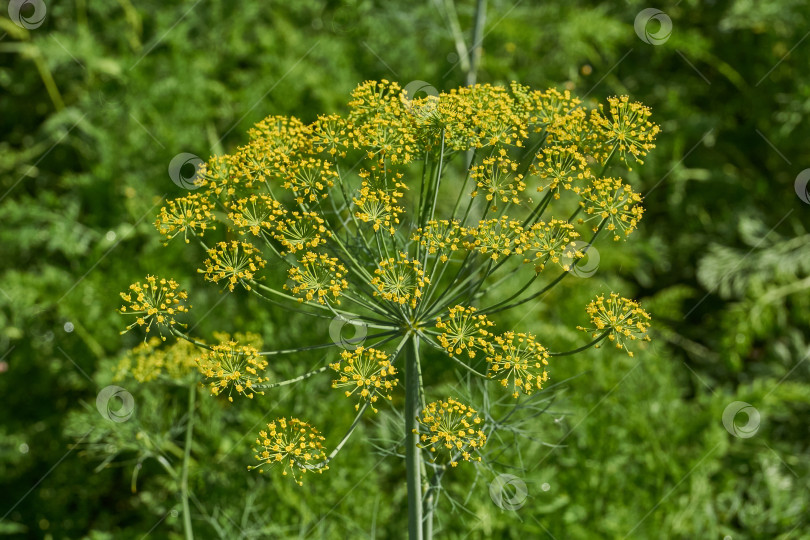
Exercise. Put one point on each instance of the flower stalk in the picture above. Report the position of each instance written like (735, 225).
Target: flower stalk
(413, 464)
(192, 404)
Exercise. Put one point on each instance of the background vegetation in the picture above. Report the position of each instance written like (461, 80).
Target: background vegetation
(97, 101)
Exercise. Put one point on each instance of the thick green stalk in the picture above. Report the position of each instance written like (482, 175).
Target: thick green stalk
(431, 501)
(192, 400)
(477, 40)
(412, 452)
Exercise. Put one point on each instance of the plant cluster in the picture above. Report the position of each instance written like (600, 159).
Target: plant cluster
(404, 216)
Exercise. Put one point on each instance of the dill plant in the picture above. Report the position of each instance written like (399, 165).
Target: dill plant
(403, 216)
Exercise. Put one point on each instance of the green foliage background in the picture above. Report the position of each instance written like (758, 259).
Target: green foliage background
(97, 101)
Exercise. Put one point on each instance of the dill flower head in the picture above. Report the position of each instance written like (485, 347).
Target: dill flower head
(279, 136)
(576, 128)
(611, 200)
(415, 216)
(628, 126)
(440, 238)
(256, 214)
(462, 330)
(149, 361)
(299, 231)
(233, 367)
(542, 109)
(400, 280)
(498, 179)
(377, 207)
(450, 428)
(519, 361)
(190, 215)
(496, 238)
(329, 135)
(154, 303)
(477, 116)
(366, 374)
(552, 241)
(317, 277)
(294, 444)
(233, 262)
(621, 317)
(557, 166)
(309, 179)
(381, 124)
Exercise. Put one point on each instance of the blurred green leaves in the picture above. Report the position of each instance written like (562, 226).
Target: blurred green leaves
(97, 101)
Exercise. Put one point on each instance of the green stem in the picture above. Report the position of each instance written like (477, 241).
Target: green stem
(192, 399)
(477, 39)
(431, 501)
(599, 338)
(412, 452)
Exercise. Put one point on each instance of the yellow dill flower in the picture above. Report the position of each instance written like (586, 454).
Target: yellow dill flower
(330, 135)
(557, 166)
(479, 116)
(440, 237)
(627, 125)
(188, 215)
(377, 207)
(552, 241)
(577, 129)
(622, 317)
(367, 373)
(233, 367)
(380, 124)
(299, 231)
(450, 428)
(309, 179)
(316, 277)
(463, 330)
(256, 213)
(154, 303)
(220, 175)
(281, 135)
(296, 445)
(258, 164)
(610, 199)
(497, 177)
(234, 262)
(400, 280)
(519, 361)
(496, 237)
(148, 361)
(542, 109)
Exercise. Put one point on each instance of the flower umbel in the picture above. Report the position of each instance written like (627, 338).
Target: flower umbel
(423, 220)
(552, 241)
(294, 444)
(627, 125)
(463, 330)
(318, 277)
(233, 262)
(154, 303)
(621, 317)
(519, 361)
(400, 280)
(451, 428)
(614, 203)
(149, 361)
(366, 374)
(233, 367)
(190, 215)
